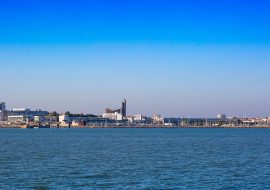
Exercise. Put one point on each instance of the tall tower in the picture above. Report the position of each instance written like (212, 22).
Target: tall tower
(2, 111)
(2, 106)
(124, 108)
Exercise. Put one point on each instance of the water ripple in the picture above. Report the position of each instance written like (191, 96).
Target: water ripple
(135, 159)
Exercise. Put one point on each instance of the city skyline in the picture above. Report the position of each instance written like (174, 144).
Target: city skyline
(172, 58)
(122, 111)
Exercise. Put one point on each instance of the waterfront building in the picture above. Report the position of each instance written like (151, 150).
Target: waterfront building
(17, 118)
(233, 121)
(268, 121)
(130, 119)
(27, 112)
(139, 117)
(115, 113)
(77, 119)
(2, 111)
(52, 117)
(63, 118)
(158, 119)
(264, 121)
(210, 122)
(39, 118)
(255, 121)
(113, 116)
(124, 108)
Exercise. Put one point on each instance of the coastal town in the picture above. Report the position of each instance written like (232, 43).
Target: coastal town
(118, 118)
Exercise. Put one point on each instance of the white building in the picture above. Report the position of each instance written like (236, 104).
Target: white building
(17, 118)
(63, 118)
(113, 116)
(158, 119)
(139, 117)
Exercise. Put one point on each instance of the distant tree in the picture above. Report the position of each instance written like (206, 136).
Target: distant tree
(67, 113)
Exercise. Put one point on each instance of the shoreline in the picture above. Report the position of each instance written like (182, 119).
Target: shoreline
(132, 127)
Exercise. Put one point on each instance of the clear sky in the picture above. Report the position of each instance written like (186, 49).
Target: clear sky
(195, 58)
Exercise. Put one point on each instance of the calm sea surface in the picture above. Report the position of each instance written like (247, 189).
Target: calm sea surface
(134, 159)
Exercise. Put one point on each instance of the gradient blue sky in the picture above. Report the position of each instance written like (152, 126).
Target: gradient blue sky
(195, 58)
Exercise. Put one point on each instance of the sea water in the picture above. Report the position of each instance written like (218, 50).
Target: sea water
(134, 159)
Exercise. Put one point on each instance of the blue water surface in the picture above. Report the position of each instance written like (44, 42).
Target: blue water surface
(134, 159)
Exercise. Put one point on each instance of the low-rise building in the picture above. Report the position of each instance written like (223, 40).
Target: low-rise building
(52, 117)
(255, 121)
(139, 117)
(130, 119)
(17, 118)
(158, 119)
(113, 116)
(27, 112)
(64, 118)
(233, 121)
(39, 118)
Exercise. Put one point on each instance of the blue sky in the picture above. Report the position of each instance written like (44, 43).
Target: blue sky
(195, 58)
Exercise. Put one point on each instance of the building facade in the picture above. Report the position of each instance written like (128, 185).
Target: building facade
(27, 112)
(64, 118)
(124, 108)
(2, 111)
(113, 116)
(116, 114)
(158, 119)
(17, 118)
